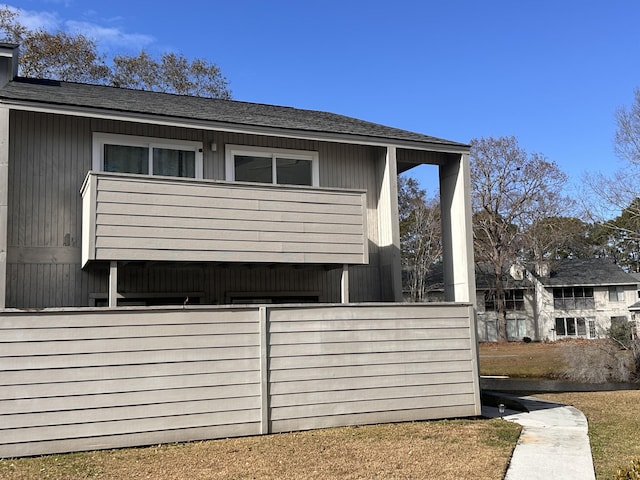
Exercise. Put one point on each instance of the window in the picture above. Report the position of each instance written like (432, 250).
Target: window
(268, 165)
(513, 299)
(572, 298)
(516, 328)
(616, 294)
(147, 156)
(574, 327)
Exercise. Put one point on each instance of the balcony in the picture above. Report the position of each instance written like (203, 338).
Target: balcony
(141, 218)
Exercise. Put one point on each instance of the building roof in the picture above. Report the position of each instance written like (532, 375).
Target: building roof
(586, 272)
(225, 113)
(485, 278)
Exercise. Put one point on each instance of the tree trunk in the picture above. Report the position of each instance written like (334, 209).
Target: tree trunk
(501, 310)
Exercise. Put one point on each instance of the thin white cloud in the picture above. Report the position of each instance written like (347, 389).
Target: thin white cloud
(108, 37)
(37, 20)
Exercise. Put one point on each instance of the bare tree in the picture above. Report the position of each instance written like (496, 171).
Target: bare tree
(173, 74)
(615, 205)
(627, 137)
(511, 190)
(556, 237)
(76, 58)
(420, 238)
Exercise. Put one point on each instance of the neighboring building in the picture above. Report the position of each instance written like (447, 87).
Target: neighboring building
(176, 268)
(572, 298)
(635, 308)
(520, 302)
(582, 298)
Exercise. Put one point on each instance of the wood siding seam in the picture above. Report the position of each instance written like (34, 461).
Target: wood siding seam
(168, 374)
(205, 225)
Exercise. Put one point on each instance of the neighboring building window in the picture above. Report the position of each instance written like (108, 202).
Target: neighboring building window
(616, 294)
(516, 328)
(513, 300)
(572, 327)
(592, 328)
(147, 156)
(573, 298)
(268, 165)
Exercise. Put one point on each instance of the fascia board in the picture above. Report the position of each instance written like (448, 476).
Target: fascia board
(234, 128)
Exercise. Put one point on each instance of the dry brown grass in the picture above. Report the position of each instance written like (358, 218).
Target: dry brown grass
(613, 417)
(478, 449)
(523, 360)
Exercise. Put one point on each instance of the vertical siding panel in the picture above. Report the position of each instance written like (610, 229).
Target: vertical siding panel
(50, 155)
(27, 217)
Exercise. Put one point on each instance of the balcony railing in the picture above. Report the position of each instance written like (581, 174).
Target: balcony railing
(135, 217)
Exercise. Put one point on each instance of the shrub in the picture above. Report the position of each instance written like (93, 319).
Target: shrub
(621, 331)
(598, 361)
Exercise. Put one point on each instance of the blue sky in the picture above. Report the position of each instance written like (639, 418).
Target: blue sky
(549, 72)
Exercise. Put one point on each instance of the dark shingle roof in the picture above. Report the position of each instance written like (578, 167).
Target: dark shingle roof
(227, 112)
(591, 271)
(485, 278)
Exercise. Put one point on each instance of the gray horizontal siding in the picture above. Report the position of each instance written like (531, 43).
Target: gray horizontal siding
(80, 379)
(91, 379)
(133, 218)
(354, 365)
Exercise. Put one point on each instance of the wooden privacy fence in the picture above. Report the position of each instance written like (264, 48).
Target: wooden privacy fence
(84, 379)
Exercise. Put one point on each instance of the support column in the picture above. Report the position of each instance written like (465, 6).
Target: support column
(265, 421)
(389, 228)
(344, 284)
(113, 284)
(457, 233)
(4, 201)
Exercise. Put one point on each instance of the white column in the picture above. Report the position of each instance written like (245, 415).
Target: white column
(344, 284)
(113, 284)
(457, 233)
(389, 228)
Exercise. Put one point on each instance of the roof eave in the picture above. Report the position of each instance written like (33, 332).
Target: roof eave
(600, 284)
(214, 125)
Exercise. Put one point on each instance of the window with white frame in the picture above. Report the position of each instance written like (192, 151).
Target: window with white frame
(616, 294)
(572, 327)
(147, 155)
(271, 165)
(513, 300)
(516, 328)
(573, 298)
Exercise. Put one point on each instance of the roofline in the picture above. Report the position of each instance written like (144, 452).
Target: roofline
(603, 284)
(232, 127)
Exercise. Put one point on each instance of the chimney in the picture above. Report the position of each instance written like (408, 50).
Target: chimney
(516, 271)
(9, 53)
(542, 269)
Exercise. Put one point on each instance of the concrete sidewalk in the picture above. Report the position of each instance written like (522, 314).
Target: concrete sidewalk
(553, 444)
